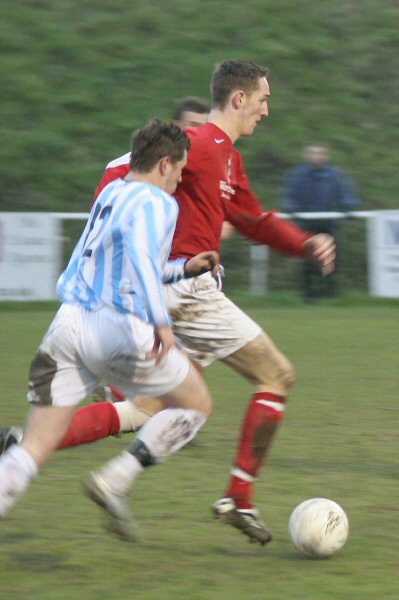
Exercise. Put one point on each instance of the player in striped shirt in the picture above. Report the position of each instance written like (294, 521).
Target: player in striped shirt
(113, 324)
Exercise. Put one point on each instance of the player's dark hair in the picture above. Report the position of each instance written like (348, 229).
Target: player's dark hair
(232, 75)
(155, 141)
(192, 104)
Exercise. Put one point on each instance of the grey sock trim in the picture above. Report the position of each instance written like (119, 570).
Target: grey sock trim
(140, 451)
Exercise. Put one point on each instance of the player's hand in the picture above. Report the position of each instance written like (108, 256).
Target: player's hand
(202, 263)
(163, 342)
(321, 248)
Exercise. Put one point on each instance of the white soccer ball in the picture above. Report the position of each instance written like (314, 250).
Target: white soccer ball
(318, 527)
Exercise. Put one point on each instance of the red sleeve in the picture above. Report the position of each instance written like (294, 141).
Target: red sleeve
(245, 212)
(110, 174)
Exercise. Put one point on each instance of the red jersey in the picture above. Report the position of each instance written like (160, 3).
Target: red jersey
(115, 169)
(215, 188)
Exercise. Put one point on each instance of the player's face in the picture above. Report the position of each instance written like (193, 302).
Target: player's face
(173, 176)
(190, 118)
(255, 107)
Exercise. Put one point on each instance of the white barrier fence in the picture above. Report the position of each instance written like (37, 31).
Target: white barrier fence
(31, 253)
(382, 251)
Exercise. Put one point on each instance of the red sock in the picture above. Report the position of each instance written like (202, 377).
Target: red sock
(91, 423)
(260, 423)
(117, 394)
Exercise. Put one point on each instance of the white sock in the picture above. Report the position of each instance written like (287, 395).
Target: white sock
(17, 469)
(169, 430)
(131, 418)
(165, 433)
(120, 472)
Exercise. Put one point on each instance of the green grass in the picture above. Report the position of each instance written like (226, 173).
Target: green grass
(339, 440)
(78, 76)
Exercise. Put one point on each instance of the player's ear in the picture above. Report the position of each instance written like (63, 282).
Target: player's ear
(164, 163)
(237, 99)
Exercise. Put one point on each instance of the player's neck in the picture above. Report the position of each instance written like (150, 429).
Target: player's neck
(152, 178)
(225, 123)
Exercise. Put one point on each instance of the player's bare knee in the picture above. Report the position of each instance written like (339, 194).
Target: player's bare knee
(278, 377)
(207, 405)
(202, 401)
(275, 366)
(287, 376)
(201, 396)
(192, 393)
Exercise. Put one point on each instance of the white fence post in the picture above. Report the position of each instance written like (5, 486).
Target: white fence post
(383, 254)
(258, 271)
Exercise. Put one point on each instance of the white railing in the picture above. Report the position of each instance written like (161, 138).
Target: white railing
(259, 255)
(31, 244)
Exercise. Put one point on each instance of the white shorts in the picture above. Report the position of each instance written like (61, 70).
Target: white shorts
(82, 347)
(207, 324)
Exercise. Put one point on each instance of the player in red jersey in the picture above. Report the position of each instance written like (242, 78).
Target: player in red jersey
(215, 187)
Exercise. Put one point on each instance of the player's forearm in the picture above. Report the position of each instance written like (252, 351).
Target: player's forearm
(174, 270)
(269, 229)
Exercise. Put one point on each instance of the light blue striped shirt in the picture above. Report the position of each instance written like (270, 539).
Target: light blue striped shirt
(121, 259)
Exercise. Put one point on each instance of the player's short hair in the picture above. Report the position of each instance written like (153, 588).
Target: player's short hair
(155, 141)
(232, 75)
(190, 103)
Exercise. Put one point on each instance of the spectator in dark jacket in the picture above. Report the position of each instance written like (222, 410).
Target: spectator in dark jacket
(317, 186)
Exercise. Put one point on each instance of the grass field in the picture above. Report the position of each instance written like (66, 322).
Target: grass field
(77, 77)
(339, 440)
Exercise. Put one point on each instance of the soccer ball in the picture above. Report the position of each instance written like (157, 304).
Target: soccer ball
(318, 527)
